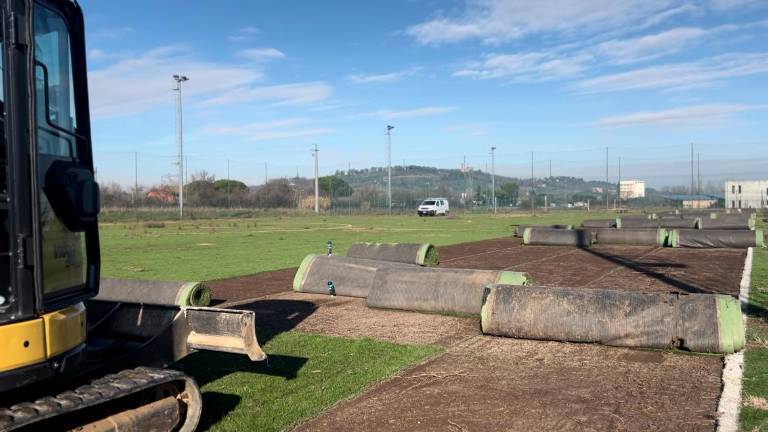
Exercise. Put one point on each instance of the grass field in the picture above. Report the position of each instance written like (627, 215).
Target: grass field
(754, 413)
(308, 373)
(221, 248)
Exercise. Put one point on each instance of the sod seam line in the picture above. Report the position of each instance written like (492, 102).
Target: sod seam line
(622, 267)
(478, 254)
(733, 369)
(512, 267)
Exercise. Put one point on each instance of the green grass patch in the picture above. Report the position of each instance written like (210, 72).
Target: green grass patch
(306, 374)
(754, 416)
(222, 248)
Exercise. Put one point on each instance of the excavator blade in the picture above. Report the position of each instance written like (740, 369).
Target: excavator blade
(128, 334)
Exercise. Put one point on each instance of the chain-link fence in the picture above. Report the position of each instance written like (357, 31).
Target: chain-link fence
(674, 175)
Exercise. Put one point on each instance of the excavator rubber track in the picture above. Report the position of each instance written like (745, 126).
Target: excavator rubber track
(101, 405)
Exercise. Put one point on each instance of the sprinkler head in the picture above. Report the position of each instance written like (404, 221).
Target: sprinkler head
(331, 289)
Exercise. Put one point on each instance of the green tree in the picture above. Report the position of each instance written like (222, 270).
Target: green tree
(231, 186)
(508, 193)
(335, 185)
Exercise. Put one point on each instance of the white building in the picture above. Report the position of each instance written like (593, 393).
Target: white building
(746, 193)
(632, 189)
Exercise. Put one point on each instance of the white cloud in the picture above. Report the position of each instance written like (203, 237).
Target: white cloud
(132, 85)
(261, 54)
(97, 55)
(494, 21)
(284, 94)
(526, 67)
(651, 46)
(696, 114)
(412, 113)
(701, 73)
(731, 4)
(244, 34)
(140, 83)
(272, 130)
(384, 77)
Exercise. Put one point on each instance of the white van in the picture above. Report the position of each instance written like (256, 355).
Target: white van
(433, 207)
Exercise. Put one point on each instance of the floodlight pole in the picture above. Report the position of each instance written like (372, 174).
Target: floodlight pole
(179, 132)
(389, 167)
(317, 180)
(493, 178)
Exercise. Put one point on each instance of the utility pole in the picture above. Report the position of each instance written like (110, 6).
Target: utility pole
(136, 185)
(179, 132)
(619, 184)
(698, 172)
(389, 167)
(692, 172)
(493, 178)
(229, 187)
(266, 174)
(546, 197)
(317, 180)
(606, 178)
(531, 193)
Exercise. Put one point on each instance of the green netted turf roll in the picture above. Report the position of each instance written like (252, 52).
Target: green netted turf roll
(423, 254)
(599, 223)
(194, 294)
(707, 323)
(520, 229)
(437, 290)
(556, 237)
(632, 236)
(727, 238)
(352, 277)
(169, 293)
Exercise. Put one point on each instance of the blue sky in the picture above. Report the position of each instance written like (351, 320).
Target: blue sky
(561, 78)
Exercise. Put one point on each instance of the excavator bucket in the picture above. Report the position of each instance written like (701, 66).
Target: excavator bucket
(120, 333)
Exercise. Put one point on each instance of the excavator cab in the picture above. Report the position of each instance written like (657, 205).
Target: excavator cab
(50, 262)
(50, 201)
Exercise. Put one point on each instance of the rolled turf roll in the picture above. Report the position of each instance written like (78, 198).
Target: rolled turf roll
(521, 228)
(351, 277)
(707, 323)
(555, 237)
(657, 223)
(437, 290)
(599, 223)
(689, 238)
(423, 254)
(732, 221)
(174, 293)
(632, 236)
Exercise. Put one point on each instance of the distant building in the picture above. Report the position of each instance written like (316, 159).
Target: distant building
(632, 189)
(746, 193)
(693, 201)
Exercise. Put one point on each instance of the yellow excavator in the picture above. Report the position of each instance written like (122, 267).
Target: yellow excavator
(69, 361)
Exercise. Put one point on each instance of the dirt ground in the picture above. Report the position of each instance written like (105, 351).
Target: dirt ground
(351, 318)
(495, 384)
(253, 286)
(637, 268)
(499, 384)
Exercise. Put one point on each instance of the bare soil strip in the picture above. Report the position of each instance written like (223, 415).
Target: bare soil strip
(498, 384)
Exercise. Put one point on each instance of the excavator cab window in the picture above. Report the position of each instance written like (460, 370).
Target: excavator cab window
(67, 194)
